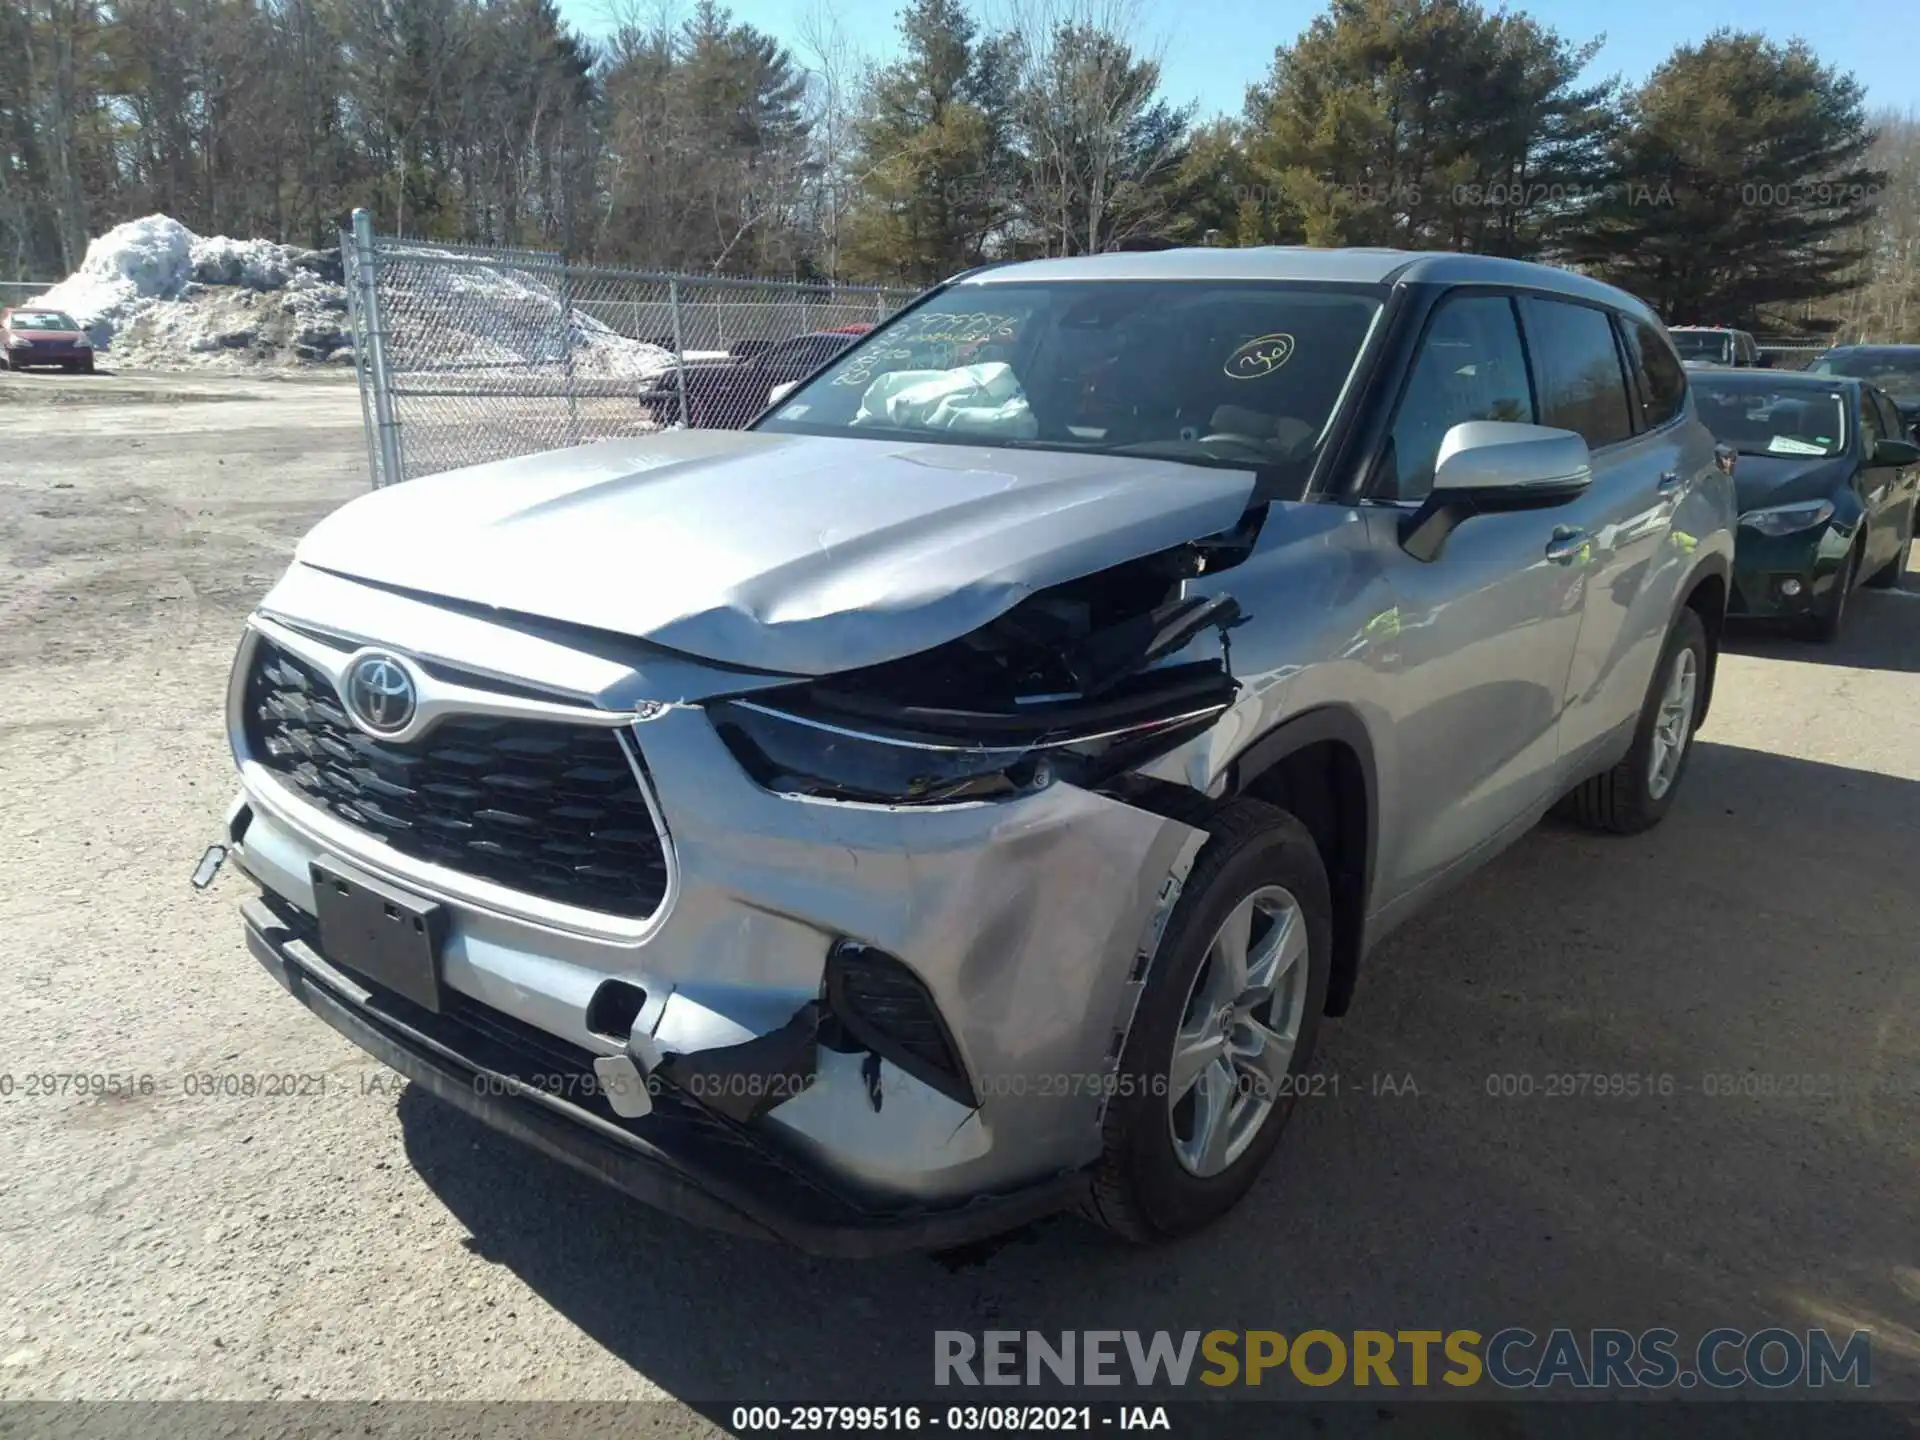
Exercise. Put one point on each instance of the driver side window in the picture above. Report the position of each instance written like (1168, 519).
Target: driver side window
(1470, 367)
(1871, 430)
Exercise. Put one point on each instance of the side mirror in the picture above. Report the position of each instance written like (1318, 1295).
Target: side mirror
(1896, 452)
(780, 392)
(1487, 467)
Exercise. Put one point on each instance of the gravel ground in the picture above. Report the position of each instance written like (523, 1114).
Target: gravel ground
(365, 1242)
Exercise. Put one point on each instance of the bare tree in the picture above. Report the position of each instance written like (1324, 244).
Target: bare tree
(836, 70)
(1885, 302)
(1100, 143)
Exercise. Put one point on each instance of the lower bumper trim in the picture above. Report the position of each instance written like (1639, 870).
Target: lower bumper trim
(577, 1139)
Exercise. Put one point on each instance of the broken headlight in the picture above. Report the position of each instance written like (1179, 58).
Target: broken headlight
(844, 745)
(799, 755)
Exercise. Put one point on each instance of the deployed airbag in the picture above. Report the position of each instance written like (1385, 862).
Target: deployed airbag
(984, 399)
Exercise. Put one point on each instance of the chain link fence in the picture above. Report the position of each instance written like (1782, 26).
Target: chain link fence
(18, 292)
(467, 355)
(1792, 353)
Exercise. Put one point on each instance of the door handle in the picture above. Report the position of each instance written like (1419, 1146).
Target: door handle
(1566, 545)
(1670, 482)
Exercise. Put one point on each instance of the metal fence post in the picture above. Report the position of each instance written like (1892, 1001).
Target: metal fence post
(879, 306)
(679, 347)
(379, 376)
(566, 340)
(357, 322)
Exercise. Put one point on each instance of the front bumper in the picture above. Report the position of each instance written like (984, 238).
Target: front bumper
(679, 1159)
(1761, 564)
(1028, 922)
(48, 355)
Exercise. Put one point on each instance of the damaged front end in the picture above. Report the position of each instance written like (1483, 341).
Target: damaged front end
(1073, 690)
(1080, 683)
(899, 902)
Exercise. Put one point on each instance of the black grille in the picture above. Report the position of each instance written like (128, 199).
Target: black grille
(885, 1006)
(543, 807)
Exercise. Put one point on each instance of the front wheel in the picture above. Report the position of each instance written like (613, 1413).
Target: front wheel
(1634, 795)
(1224, 1030)
(1826, 625)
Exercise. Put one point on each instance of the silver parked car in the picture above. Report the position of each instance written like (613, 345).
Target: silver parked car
(1709, 346)
(961, 795)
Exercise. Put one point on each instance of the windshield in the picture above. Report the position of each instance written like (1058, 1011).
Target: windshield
(1240, 374)
(1897, 373)
(1773, 419)
(42, 320)
(1703, 344)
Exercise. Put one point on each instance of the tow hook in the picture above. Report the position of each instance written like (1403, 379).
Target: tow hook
(209, 866)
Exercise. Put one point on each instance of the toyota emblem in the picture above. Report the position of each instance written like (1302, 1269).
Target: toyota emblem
(379, 694)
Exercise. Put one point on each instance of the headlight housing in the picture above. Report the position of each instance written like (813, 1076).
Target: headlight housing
(1787, 519)
(795, 743)
(799, 755)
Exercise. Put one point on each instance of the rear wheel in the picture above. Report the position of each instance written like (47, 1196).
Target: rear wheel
(1634, 795)
(1227, 1023)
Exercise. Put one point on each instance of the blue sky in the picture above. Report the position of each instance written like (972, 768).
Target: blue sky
(1214, 48)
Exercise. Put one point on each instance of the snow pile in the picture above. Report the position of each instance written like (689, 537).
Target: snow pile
(153, 295)
(125, 271)
(449, 314)
(256, 264)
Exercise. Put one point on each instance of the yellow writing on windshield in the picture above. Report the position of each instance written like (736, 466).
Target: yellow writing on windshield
(1261, 355)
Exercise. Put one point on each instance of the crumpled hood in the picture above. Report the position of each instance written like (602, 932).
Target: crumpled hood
(798, 554)
(1782, 479)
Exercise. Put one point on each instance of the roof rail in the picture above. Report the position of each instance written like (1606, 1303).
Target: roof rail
(979, 269)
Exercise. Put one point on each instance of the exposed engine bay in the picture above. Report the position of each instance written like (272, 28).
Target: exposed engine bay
(1080, 681)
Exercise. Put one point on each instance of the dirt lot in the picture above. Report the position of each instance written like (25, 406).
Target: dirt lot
(366, 1242)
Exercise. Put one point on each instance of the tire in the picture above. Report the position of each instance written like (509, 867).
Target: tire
(1825, 627)
(1143, 1190)
(1623, 800)
(1889, 575)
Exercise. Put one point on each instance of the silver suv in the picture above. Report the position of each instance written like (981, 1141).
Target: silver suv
(1708, 345)
(961, 796)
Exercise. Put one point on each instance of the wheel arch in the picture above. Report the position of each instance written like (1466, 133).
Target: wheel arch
(1319, 766)
(1706, 593)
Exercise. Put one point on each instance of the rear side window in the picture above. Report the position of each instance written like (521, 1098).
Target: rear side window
(1576, 368)
(1661, 378)
(1872, 432)
(1470, 367)
(1890, 422)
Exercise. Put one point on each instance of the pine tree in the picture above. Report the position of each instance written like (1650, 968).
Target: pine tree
(1739, 176)
(932, 153)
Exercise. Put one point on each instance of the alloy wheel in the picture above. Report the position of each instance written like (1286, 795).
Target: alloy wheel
(1673, 723)
(1234, 1048)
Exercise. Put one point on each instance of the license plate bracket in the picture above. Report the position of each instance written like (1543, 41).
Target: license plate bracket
(382, 933)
